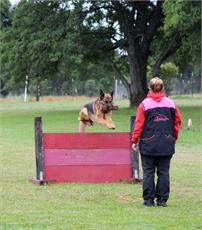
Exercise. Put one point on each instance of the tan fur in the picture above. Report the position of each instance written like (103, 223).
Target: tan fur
(101, 114)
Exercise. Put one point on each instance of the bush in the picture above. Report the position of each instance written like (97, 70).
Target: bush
(91, 87)
(169, 71)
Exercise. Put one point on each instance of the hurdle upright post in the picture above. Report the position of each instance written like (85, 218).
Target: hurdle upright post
(39, 150)
(135, 154)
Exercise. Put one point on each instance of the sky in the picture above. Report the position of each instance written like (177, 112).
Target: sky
(13, 2)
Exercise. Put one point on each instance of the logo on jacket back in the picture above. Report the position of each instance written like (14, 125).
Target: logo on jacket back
(160, 117)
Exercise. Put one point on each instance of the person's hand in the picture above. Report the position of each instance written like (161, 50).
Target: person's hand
(135, 146)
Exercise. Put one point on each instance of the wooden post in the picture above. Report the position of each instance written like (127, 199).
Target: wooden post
(39, 150)
(135, 154)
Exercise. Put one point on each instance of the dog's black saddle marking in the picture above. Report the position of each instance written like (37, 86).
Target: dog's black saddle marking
(88, 122)
(89, 107)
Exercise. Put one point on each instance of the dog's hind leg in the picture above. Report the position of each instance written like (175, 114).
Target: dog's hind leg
(83, 115)
(82, 127)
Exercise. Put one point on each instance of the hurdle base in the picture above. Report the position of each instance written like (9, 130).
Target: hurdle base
(40, 182)
(132, 181)
(139, 181)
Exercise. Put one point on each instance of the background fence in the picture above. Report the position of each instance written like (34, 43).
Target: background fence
(184, 84)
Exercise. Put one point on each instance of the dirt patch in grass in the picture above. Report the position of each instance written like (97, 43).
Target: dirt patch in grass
(47, 98)
(63, 98)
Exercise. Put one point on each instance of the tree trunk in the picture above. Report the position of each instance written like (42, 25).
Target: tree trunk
(157, 67)
(139, 24)
(170, 48)
(138, 73)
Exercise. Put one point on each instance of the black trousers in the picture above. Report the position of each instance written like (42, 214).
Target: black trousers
(160, 165)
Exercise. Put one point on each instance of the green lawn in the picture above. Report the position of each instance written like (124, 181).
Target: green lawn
(92, 206)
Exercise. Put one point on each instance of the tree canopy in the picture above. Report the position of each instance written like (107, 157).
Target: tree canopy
(62, 40)
(180, 33)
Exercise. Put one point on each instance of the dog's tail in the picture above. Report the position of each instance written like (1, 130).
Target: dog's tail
(82, 127)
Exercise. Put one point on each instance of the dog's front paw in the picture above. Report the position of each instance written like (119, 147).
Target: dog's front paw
(111, 126)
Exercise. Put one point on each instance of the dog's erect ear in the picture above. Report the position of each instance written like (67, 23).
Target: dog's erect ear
(112, 94)
(101, 94)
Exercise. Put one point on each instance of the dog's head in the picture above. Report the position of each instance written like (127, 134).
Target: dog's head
(106, 101)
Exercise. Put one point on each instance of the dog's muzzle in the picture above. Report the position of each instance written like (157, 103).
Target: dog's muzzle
(107, 107)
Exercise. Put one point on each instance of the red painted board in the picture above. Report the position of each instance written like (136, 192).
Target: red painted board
(86, 140)
(91, 174)
(87, 156)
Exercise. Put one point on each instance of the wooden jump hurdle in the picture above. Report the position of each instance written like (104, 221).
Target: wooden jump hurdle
(84, 157)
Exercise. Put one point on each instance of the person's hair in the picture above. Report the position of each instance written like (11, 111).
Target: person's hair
(156, 84)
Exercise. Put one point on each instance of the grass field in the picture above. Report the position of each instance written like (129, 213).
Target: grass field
(92, 206)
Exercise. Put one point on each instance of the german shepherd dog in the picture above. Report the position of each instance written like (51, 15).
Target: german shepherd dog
(99, 111)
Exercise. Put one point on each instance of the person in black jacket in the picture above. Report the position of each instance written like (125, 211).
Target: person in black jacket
(158, 122)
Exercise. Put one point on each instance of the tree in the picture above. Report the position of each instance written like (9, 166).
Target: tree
(5, 21)
(44, 43)
(5, 14)
(132, 26)
(34, 44)
(140, 30)
(50, 39)
(180, 34)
